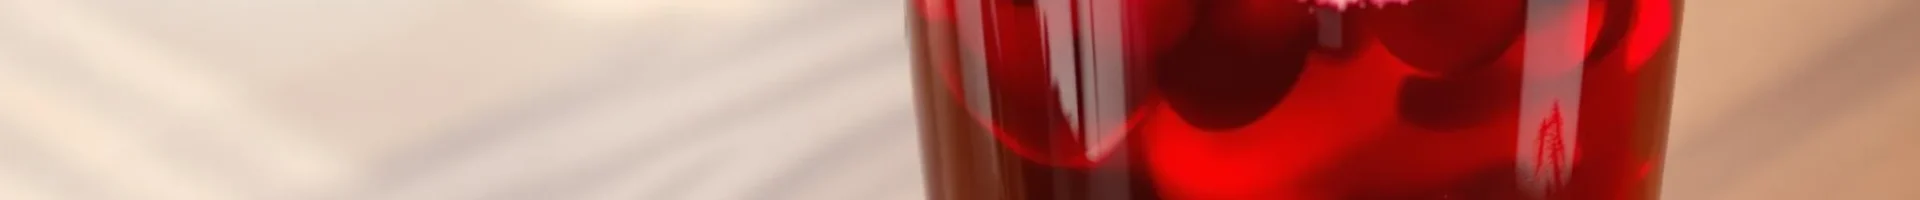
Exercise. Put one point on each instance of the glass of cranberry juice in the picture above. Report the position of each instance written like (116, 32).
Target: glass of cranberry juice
(1293, 99)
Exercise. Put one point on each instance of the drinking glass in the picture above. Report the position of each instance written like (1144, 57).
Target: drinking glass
(1293, 99)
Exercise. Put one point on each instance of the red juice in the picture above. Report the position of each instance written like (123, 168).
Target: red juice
(1293, 99)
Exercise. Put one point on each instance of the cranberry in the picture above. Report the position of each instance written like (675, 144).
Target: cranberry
(1442, 36)
(1240, 58)
(1332, 110)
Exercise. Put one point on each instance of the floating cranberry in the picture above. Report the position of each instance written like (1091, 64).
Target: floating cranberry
(1331, 110)
(1240, 58)
(1441, 36)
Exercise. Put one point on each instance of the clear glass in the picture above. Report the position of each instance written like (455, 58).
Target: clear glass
(1293, 99)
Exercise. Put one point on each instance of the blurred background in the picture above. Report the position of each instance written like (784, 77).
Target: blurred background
(739, 99)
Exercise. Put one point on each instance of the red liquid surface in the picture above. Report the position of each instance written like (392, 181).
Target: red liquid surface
(1284, 99)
